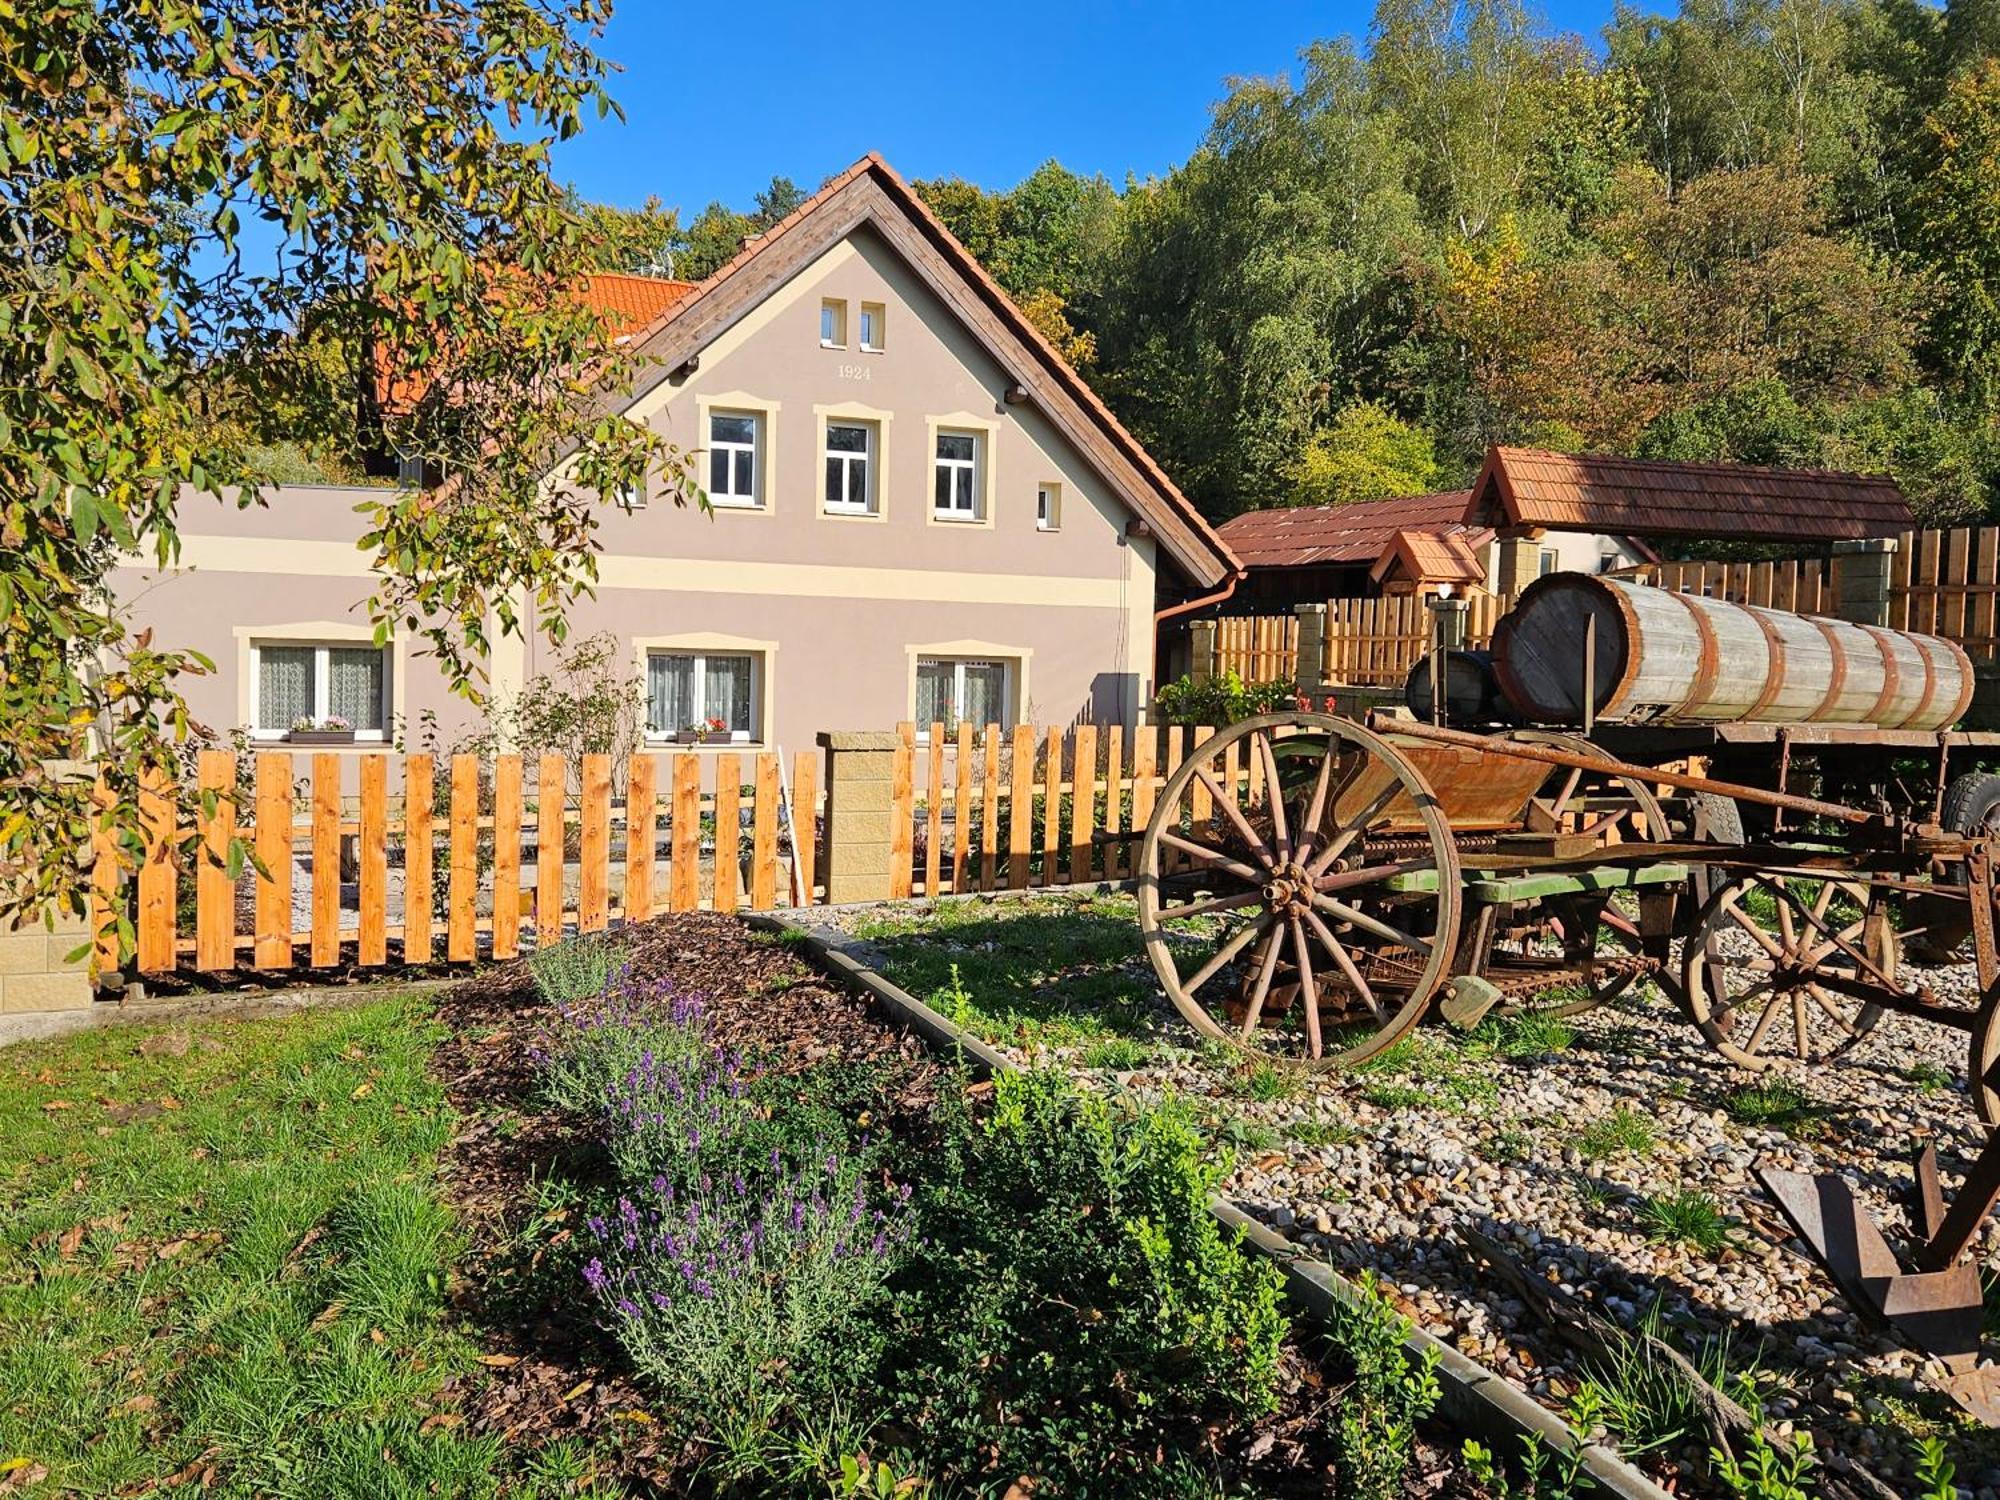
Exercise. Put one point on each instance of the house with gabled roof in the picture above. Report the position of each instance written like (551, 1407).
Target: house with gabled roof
(918, 510)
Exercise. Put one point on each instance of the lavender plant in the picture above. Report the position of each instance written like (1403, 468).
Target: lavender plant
(676, 1117)
(728, 1284)
(589, 1044)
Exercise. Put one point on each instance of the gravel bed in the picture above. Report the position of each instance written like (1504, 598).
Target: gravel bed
(1374, 1172)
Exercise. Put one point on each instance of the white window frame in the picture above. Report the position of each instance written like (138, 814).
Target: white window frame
(322, 684)
(874, 318)
(973, 468)
(833, 309)
(1048, 506)
(758, 427)
(1011, 671)
(867, 460)
(1547, 561)
(700, 654)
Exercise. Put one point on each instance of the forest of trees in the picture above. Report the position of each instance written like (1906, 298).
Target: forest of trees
(1759, 230)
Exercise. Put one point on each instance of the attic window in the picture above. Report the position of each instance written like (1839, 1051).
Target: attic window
(871, 327)
(833, 324)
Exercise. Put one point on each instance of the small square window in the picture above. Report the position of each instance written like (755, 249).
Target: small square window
(1048, 507)
(1546, 563)
(871, 326)
(833, 324)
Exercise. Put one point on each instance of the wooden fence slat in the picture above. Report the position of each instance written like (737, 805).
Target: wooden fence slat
(764, 835)
(461, 895)
(1082, 803)
(642, 795)
(214, 891)
(684, 862)
(506, 856)
(372, 947)
(551, 793)
(1052, 784)
(418, 792)
(934, 811)
(902, 811)
(325, 860)
(1114, 800)
(157, 876)
(961, 806)
(1145, 750)
(805, 820)
(1021, 807)
(728, 830)
(273, 949)
(593, 893)
(989, 810)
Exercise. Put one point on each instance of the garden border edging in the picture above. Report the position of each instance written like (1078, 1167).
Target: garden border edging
(1483, 1404)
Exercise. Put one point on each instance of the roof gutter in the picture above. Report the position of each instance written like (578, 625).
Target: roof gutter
(1161, 616)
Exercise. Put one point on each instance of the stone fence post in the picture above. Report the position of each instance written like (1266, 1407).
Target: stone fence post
(1201, 641)
(1861, 573)
(860, 774)
(1310, 670)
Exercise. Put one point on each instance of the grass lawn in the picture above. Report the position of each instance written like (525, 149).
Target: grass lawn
(223, 1258)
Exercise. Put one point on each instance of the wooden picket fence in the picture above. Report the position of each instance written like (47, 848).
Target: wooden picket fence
(1003, 808)
(1257, 648)
(452, 870)
(1942, 582)
(1375, 642)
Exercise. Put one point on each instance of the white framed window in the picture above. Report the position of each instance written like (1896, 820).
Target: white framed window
(954, 688)
(707, 691)
(320, 681)
(873, 318)
(833, 324)
(1048, 507)
(733, 440)
(632, 497)
(850, 468)
(1545, 564)
(959, 493)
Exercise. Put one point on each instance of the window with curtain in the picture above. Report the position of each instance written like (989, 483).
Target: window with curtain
(685, 689)
(297, 681)
(951, 689)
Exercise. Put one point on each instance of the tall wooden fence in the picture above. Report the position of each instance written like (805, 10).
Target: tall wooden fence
(1257, 648)
(1009, 808)
(1375, 642)
(1942, 582)
(460, 862)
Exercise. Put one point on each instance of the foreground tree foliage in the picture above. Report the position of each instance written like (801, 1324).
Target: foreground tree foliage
(197, 191)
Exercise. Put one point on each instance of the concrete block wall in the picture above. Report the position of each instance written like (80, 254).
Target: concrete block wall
(35, 971)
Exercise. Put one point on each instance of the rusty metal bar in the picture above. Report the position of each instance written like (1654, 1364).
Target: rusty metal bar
(1967, 1210)
(1550, 755)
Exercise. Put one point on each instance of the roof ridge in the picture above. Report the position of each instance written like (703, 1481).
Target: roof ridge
(1705, 465)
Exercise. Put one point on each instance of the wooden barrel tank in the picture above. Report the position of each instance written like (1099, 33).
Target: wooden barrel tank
(1471, 690)
(1682, 658)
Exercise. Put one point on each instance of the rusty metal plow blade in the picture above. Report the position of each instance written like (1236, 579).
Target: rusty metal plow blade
(1939, 1310)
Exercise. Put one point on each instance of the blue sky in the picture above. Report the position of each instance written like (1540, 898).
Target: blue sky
(719, 97)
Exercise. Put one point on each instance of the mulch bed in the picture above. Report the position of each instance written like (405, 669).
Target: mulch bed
(550, 1374)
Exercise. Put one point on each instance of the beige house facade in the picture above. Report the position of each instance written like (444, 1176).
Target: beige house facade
(916, 510)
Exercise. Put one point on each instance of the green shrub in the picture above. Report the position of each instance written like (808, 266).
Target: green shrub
(1221, 700)
(1375, 1423)
(574, 970)
(1078, 1310)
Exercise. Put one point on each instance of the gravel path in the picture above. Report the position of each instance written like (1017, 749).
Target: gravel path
(1557, 1157)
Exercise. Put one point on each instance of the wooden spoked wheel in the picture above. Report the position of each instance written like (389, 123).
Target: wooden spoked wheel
(1756, 966)
(1299, 890)
(1982, 1071)
(1590, 947)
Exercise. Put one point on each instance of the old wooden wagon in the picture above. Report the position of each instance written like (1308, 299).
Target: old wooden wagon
(1313, 887)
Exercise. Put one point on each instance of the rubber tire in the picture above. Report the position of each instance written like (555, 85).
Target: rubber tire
(1723, 820)
(1971, 806)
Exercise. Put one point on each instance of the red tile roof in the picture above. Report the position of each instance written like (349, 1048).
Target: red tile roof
(1714, 502)
(1319, 535)
(1434, 557)
(628, 302)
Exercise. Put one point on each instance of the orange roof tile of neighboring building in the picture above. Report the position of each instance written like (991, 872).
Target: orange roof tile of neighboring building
(630, 302)
(1319, 535)
(1434, 557)
(1715, 502)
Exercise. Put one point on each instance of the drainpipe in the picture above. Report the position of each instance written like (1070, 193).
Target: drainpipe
(1161, 616)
